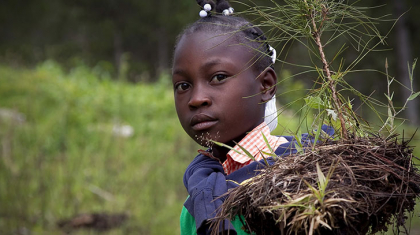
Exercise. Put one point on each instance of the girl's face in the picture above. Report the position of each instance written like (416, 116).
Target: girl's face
(217, 93)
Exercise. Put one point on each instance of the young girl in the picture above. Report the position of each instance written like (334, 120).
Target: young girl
(224, 89)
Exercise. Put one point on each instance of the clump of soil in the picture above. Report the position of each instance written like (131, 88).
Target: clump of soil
(370, 184)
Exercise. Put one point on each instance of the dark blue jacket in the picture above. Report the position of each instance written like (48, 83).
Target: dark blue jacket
(206, 182)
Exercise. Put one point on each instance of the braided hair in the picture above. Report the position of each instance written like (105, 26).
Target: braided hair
(242, 31)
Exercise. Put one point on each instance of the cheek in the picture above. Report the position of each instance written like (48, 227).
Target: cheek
(242, 112)
(246, 99)
(180, 110)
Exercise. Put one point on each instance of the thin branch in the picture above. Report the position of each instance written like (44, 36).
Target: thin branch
(331, 83)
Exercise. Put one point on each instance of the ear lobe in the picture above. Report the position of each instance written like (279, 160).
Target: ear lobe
(268, 84)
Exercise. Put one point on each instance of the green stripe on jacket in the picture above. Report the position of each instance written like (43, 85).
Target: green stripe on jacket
(188, 224)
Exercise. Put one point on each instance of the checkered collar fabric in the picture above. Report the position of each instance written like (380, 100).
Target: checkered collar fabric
(254, 143)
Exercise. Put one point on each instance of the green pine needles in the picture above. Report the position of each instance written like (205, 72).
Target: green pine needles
(317, 24)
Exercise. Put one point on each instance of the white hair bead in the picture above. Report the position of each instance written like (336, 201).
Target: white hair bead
(203, 13)
(207, 7)
(274, 54)
(228, 11)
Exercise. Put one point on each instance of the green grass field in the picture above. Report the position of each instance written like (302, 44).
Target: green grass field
(66, 158)
(63, 153)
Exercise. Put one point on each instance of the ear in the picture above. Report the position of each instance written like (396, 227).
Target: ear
(268, 79)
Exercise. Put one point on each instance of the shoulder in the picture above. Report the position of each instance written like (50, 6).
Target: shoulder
(304, 140)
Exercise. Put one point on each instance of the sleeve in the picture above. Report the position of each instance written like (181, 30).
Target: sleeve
(206, 183)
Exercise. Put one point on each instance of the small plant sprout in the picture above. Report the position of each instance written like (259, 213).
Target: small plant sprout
(316, 25)
(310, 208)
(392, 113)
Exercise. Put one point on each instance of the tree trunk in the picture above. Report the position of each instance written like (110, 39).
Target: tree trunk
(162, 51)
(118, 50)
(403, 56)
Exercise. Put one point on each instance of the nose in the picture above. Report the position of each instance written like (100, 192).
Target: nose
(199, 99)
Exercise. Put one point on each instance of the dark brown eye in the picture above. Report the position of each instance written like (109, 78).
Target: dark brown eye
(183, 86)
(218, 78)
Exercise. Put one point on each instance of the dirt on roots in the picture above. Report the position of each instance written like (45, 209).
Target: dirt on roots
(370, 183)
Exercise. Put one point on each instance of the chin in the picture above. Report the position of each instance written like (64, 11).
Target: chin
(205, 138)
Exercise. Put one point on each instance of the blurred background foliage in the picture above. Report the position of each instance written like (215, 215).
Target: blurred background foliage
(141, 35)
(87, 121)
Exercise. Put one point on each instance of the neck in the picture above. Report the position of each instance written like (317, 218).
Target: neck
(220, 152)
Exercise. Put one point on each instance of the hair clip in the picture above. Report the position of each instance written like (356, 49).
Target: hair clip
(273, 54)
(228, 11)
(206, 11)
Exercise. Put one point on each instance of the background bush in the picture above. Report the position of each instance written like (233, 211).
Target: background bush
(65, 158)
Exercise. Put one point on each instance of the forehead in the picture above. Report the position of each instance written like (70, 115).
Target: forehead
(213, 45)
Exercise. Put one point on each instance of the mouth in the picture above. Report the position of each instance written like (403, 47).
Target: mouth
(200, 122)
